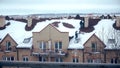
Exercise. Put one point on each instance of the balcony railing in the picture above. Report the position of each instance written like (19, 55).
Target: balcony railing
(51, 53)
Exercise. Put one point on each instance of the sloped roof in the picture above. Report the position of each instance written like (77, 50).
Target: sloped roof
(95, 37)
(53, 27)
(10, 38)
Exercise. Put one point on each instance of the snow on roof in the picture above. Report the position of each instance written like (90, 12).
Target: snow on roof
(17, 31)
(82, 38)
(104, 30)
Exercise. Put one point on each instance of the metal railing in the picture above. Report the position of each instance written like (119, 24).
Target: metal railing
(34, 64)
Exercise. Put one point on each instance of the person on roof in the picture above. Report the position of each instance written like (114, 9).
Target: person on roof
(76, 35)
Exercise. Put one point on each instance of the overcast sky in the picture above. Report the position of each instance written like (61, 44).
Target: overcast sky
(58, 6)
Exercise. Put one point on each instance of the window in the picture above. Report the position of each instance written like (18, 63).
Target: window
(25, 58)
(59, 59)
(75, 60)
(8, 44)
(26, 40)
(114, 60)
(42, 59)
(8, 58)
(94, 47)
(43, 46)
(90, 60)
(94, 60)
(58, 46)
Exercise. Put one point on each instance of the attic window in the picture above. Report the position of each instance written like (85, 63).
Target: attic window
(26, 40)
(111, 41)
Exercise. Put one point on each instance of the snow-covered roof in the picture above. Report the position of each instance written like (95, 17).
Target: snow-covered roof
(17, 31)
(104, 30)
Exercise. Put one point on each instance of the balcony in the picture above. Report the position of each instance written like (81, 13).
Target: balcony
(51, 53)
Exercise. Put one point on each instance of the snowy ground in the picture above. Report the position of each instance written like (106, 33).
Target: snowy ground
(103, 30)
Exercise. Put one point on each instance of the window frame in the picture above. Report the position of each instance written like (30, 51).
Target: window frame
(58, 45)
(94, 46)
(8, 58)
(58, 59)
(75, 60)
(42, 59)
(8, 45)
(25, 58)
(42, 45)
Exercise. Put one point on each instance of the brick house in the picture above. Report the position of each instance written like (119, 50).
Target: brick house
(8, 49)
(52, 45)
(94, 50)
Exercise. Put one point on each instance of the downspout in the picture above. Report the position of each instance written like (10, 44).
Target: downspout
(17, 54)
(104, 56)
(83, 55)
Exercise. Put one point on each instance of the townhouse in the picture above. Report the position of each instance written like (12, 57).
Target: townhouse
(48, 43)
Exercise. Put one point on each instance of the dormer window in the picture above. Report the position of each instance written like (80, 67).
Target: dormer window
(26, 40)
(94, 47)
(111, 41)
(8, 45)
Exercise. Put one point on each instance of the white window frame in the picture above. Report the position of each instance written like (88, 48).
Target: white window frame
(58, 46)
(76, 60)
(59, 59)
(94, 60)
(25, 58)
(42, 46)
(8, 58)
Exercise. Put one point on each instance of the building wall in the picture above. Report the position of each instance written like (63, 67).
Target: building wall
(26, 52)
(112, 54)
(71, 55)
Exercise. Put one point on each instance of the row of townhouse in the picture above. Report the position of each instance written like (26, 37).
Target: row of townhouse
(52, 45)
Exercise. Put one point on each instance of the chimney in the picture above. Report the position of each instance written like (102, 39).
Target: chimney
(29, 21)
(2, 21)
(118, 21)
(86, 22)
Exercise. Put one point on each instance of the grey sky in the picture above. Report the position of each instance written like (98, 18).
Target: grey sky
(57, 5)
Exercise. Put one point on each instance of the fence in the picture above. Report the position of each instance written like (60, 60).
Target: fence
(19, 64)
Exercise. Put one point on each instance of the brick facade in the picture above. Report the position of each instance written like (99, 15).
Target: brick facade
(51, 45)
